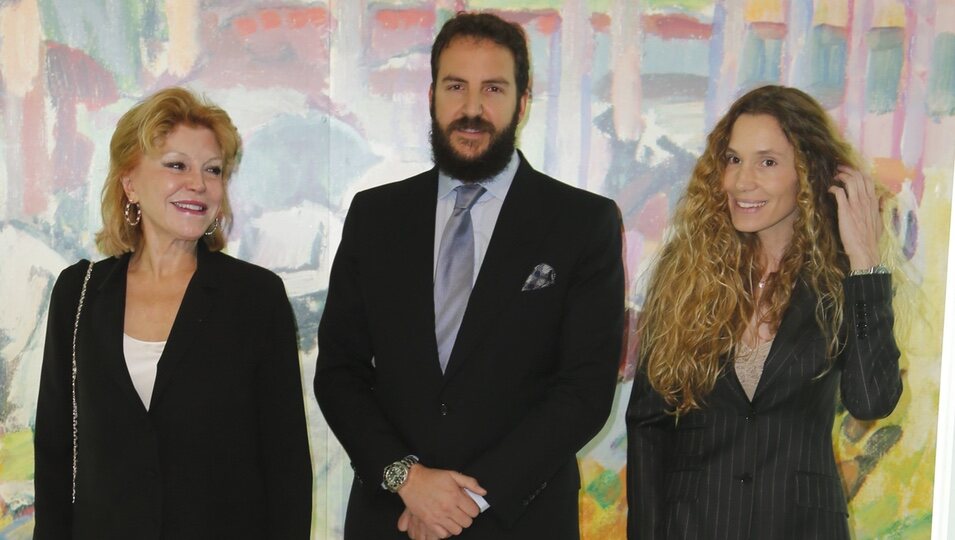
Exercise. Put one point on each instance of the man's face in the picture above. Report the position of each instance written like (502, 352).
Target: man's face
(475, 109)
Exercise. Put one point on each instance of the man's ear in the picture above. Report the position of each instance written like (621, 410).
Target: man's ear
(431, 95)
(522, 105)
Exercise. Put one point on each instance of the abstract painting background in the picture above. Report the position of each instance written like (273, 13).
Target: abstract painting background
(331, 98)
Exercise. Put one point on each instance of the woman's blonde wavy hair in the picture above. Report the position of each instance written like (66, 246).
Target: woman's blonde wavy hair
(700, 295)
(141, 131)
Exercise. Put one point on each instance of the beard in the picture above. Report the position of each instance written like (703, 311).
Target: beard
(481, 167)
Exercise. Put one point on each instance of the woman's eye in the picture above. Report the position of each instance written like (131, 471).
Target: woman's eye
(769, 163)
(214, 170)
(178, 165)
(733, 160)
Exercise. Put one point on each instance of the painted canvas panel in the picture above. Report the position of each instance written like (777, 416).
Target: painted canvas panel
(331, 98)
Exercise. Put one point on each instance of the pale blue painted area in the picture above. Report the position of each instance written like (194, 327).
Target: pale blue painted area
(714, 61)
(685, 56)
(759, 63)
(827, 64)
(798, 31)
(884, 69)
(941, 82)
(111, 32)
(290, 161)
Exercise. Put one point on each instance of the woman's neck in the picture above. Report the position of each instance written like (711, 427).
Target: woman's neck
(159, 261)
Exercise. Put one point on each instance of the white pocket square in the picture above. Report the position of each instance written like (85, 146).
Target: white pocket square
(543, 276)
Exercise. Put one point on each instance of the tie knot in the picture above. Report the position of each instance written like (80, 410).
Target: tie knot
(467, 195)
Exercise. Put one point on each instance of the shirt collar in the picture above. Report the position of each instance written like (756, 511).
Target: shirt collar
(496, 186)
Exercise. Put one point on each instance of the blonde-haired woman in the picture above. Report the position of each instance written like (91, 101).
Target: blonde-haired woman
(768, 298)
(170, 401)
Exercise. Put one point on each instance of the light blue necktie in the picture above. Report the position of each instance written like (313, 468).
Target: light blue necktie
(454, 275)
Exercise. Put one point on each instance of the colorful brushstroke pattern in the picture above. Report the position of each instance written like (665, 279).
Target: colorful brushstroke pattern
(331, 98)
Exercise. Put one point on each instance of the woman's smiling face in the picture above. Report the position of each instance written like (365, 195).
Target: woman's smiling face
(179, 189)
(760, 180)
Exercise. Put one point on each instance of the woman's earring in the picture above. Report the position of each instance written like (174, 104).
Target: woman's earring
(215, 226)
(128, 213)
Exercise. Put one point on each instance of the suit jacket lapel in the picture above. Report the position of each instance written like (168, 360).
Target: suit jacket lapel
(107, 320)
(522, 221)
(196, 304)
(416, 274)
(787, 340)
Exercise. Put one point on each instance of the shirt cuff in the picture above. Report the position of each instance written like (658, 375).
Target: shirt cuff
(481, 502)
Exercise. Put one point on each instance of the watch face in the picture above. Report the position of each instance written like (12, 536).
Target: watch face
(395, 475)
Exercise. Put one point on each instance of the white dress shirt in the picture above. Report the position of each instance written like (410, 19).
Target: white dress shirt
(484, 215)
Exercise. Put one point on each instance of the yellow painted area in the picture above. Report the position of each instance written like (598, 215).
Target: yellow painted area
(895, 499)
(16, 456)
(20, 46)
(888, 13)
(596, 521)
(765, 11)
(831, 12)
(182, 19)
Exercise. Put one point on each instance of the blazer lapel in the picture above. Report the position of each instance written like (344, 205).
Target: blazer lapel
(522, 222)
(786, 342)
(198, 300)
(417, 273)
(108, 310)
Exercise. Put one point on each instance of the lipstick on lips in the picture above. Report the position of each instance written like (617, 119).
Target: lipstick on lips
(191, 207)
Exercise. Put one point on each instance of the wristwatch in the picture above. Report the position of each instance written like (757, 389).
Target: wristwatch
(877, 269)
(396, 474)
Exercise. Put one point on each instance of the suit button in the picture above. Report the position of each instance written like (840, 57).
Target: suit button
(444, 409)
(744, 478)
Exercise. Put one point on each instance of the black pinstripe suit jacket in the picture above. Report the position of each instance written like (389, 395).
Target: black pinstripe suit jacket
(764, 469)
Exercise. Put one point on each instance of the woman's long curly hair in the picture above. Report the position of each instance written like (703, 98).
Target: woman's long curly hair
(701, 297)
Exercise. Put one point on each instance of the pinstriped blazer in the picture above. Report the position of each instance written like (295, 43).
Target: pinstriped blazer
(741, 469)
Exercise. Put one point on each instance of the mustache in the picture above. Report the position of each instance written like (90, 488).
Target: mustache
(471, 123)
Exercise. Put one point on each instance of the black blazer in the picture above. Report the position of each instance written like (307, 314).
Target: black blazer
(532, 374)
(222, 451)
(764, 469)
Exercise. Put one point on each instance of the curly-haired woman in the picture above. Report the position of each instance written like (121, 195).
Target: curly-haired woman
(768, 297)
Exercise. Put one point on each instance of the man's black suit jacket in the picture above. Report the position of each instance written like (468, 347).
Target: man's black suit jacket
(222, 451)
(532, 374)
(764, 469)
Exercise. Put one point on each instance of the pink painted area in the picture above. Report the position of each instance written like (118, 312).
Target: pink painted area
(74, 75)
(878, 142)
(676, 26)
(651, 221)
(36, 167)
(270, 19)
(395, 33)
(399, 19)
(600, 22)
(245, 26)
(853, 109)
(299, 18)
(548, 23)
(244, 54)
(390, 81)
(769, 30)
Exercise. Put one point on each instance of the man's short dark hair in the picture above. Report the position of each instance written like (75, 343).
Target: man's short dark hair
(490, 27)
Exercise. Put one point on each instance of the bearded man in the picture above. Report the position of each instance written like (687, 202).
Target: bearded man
(472, 331)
